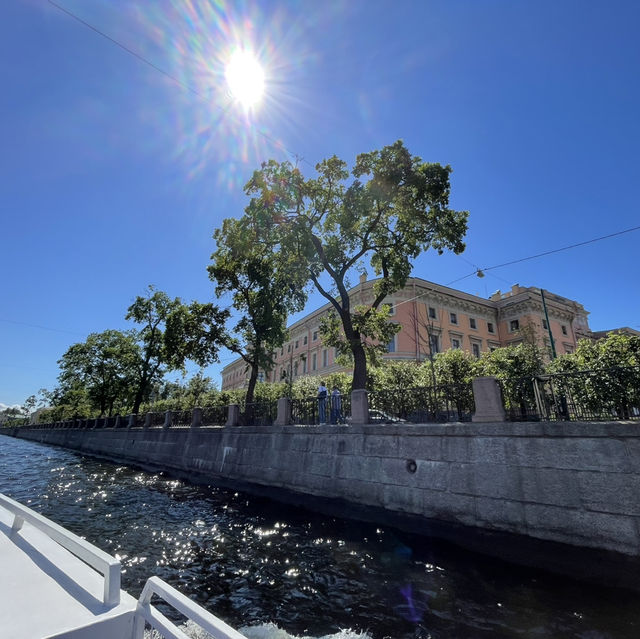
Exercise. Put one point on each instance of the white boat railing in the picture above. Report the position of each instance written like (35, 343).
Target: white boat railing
(145, 612)
(87, 552)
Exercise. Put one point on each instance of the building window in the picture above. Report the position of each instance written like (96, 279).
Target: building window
(432, 312)
(314, 361)
(476, 350)
(544, 324)
(472, 322)
(564, 329)
(453, 317)
(490, 327)
(304, 366)
(455, 343)
(391, 346)
(297, 343)
(325, 358)
(315, 335)
(295, 369)
(392, 309)
(434, 344)
(304, 341)
(514, 325)
(492, 349)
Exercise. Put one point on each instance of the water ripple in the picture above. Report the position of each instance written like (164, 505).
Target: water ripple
(264, 565)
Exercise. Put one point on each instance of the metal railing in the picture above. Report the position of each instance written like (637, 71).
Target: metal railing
(315, 410)
(422, 405)
(148, 614)
(215, 415)
(258, 413)
(590, 395)
(99, 560)
(156, 420)
(181, 418)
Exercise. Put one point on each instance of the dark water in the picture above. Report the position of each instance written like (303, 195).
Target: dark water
(251, 560)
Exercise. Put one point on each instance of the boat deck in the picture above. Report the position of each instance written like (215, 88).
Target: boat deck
(46, 591)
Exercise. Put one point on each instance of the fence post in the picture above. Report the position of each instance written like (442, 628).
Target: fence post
(359, 407)
(283, 417)
(488, 399)
(233, 416)
(167, 419)
(117, 422)
(132, 421)
(196, 418)
(147, 420)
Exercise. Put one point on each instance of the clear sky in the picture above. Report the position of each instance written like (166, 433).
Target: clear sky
(113, 176)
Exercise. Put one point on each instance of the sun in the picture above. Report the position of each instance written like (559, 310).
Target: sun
(245, 78)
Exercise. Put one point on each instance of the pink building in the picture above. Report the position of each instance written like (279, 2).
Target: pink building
(434, 318)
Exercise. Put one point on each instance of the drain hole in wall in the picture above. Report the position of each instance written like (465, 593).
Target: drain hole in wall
(411, 465)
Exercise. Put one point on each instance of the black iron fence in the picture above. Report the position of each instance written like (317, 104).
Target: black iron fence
(258, 413)
(215, 415)
(422, 405)
(592, 395)
(181, 418)
(321, 410)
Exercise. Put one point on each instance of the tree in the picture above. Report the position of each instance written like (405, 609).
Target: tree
(604, 375)
(102, 366)
(152, 312)
(388, 210)
(514, 366)
(264, 281)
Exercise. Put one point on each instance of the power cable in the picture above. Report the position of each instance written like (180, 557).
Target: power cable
(45, 328)
(481, 271)
(184, 85)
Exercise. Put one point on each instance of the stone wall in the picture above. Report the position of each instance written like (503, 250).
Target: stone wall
(575, 483)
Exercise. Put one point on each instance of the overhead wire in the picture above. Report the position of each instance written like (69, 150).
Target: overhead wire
(173, 78)
(533, 257)
(479, 271)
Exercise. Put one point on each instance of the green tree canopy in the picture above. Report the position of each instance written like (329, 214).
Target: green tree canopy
(102, 365)
(389, 209)
(265, 284)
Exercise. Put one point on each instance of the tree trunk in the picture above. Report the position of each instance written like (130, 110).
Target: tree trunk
(139, 395)
(359, 366)
(252, 384)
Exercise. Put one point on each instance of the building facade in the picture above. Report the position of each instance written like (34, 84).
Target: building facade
(433, 318)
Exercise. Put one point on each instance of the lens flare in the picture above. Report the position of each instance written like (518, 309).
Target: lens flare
(245, 78)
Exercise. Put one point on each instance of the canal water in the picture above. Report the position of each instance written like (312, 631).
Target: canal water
(278, 571)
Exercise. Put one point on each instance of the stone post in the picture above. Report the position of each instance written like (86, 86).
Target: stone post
(196, 418)
(147, 420)
(283, 417)
(167, 419)
(359, 407)
(488, 399)
(117, 423)
(132, 421)
(233, 415)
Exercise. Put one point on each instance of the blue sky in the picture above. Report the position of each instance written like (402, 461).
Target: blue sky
(113, 176)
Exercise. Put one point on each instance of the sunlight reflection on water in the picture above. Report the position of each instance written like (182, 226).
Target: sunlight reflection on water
(253, 562)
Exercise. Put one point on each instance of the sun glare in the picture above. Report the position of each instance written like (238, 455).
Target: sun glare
(245, 78)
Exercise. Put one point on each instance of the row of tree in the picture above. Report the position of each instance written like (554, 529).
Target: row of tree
(295, 234)
(614, 363)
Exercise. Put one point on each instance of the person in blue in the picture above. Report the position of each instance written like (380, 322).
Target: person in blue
(336, 406)
(322, 403)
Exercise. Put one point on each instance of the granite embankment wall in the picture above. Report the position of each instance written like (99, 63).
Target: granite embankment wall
(575, 483)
